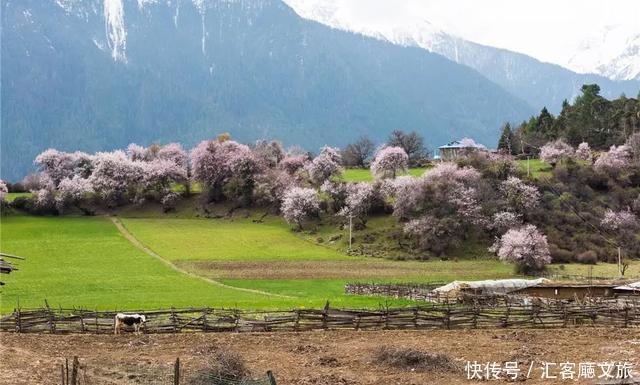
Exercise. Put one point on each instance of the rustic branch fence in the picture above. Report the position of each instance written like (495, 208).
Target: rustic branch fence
(429, 316)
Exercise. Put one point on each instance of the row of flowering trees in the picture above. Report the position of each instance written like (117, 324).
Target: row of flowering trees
(481, 195)
(612, 162)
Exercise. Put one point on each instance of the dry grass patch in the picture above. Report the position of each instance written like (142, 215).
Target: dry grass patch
(413, 360)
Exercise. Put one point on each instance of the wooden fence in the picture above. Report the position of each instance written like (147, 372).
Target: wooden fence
(429, 316)
(415, 292)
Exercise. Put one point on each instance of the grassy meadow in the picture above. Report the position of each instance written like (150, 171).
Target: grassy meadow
(364, 174)
(246, 260)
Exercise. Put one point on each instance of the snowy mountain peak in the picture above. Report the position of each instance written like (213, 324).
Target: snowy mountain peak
(613, 52)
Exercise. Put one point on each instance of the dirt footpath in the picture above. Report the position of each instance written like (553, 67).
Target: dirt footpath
(312, 358)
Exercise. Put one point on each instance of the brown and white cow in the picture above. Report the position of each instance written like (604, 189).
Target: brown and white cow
(135, 320)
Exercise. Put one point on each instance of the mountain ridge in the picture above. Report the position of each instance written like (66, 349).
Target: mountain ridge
(88, 75)
(541, 84)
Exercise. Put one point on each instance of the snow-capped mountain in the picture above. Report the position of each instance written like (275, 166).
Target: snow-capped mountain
(613, 53)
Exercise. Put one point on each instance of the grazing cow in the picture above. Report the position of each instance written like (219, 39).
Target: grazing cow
(135, 320)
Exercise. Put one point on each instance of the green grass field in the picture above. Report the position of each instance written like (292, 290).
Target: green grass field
(223, 240)
(12, 196)
(364, 174)
(537, 168)
(87, 262)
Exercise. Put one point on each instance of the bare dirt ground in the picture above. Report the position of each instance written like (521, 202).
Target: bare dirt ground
(311, 358)
(302, 269)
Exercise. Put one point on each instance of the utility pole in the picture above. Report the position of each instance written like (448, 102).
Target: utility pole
(350, 229)
(619, 262)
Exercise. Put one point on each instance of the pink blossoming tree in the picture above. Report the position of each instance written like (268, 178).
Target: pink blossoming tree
(584, 152)
(299, 204)
(518, 195)
(554, 152)
(526, 247)
(388, 162)
(615, 161)
(324, 166)
(3, 190)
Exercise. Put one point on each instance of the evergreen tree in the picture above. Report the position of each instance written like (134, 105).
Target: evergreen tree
(506, 139)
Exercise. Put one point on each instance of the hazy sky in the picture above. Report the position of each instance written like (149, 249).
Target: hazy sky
(546, 29)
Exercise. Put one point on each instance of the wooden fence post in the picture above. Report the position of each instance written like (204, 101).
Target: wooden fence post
(82, 327)
(18, 321)
(176, 372)
(50, 317)
(66, 369)
(205, 326)
(325, 315)
(272, 379)
(62, 373)
(174, 320)
(74, 371)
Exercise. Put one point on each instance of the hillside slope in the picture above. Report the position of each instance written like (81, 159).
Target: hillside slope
(99, 74)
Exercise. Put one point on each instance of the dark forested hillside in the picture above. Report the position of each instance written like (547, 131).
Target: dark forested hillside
(91, 75)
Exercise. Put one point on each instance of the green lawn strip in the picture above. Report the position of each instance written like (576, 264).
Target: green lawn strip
(364, 174)
(226, 240)
(12, 196)
(537, 167)
(86, 262)
(315, 293)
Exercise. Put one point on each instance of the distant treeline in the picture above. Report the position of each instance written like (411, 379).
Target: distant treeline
(591, 118)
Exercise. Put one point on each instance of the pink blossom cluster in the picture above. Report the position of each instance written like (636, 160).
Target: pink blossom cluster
(389, 162)
(324, 166)
(114, 174)
(271, 186)
(520, 196)
(554, 152)
(159, 174)
(58, 165)
(505, 220)
(525, 246)
(293, 163)
(298, 204)
(214, 162)
(614, 161)
(358, 201)
(269, 151)
(583, 152)
(71, 190)
(3, 190)
(624, 220)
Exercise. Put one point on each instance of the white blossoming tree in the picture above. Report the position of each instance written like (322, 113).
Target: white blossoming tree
(299, 204)
(526, 247)
(388, 162)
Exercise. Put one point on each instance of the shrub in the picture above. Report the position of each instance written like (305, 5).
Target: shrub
(412, 359)
(588, 257)
(169, 201)
(221, 364)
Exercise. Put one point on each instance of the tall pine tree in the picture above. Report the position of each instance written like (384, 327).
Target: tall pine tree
(506, 139)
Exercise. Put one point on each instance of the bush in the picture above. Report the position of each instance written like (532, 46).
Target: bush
(588, 257)
(412, 359)
(221, 363)
(170, 201)
(560, 255)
